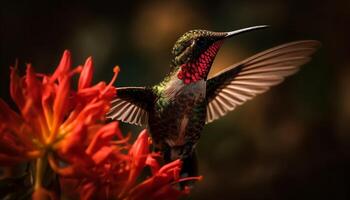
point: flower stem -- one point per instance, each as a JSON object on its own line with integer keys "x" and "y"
{"x": 39, "y": 171}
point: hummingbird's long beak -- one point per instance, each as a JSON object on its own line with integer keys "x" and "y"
{"x": 232, "y": 33}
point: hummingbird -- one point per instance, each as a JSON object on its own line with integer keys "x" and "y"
{"x": 176, "y": 110}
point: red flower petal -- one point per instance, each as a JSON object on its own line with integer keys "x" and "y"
{"x": 152, "y": 162}
{"x": 47, "y": 100}
{"x": 33, "y": 90}
{"x": 138, "y": 153}
{"x": 101, "y": 154}
{"x": 9, "y": 160}
{"x": 63, "y": 67}
{"x": 163, "y": 178}
{"x": 16, "y": 87}
{"x": 9, "y": 118}
{"x": 168, "y": 192}
{"x": 87, "y": 192}
{"x": 86, "y": 75}
{"x": 72, "y": 143}
{"x": 102, "y": 137}
{"x": 41, "y": 194}
{"x": 60, "y": 106}
{"x": 92, "y": 112}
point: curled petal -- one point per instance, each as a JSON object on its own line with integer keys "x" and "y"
{"x": 63, "y": 67}
{"x": 72, "y": 147}
{"x": 170, "y": 167}
{"x": 169, "y": 192}
{"x": 153, "y": 163}
{"x": 34, "y": 87}
{"x": 98, "y": 90}
{"x": 60, "y": 106}
{"x": 102, "y": 154}
{"x": 47, "y": 101}
{"x": 141, "y": 145}
{"x": 13, "y": 140}
{"x": 43, "y": 194}
{"x": 109, "y": 91}
{"x": 32, "y": 110}
{"x": 72, "y": 143}
{"x": 90, "y": 113}
{"x": 63, "y": 171}
{"x": 138, "y": 155}
{"x": 77, "y": 169}
{"x": 86, "y": 75}
{"x": 160, "y": 185}
{"x": 16, "y": 86}
{"x": 102, "y": 137}
{"x": 148, "y": 188}
{"x": 11, "y": 145}
{"x": 87, "y": 191}
{"x": 9, "y": 118}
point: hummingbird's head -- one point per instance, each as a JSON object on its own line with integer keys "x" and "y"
{"x": 194, "y": 52}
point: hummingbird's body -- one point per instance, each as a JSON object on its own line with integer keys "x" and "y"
{"x": 177, "y": 109}
{"x": 178, "y": 116}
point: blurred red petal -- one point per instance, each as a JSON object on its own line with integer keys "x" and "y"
{"x": 175, "y": 165}
{"x": 102, "y": 137}
{"x": 153, "y": 163}
{"x": 149, "y": 187}
{"x": 101, "y": 154}
{"x": 11, "y": 145}
{"x": 92, "y": 112}
{"x": 33, "y": 85}
{"x": 9, "y": 118}
{"x": 43, "y": 194}
{"x": 141, "y": 145}
{"x": 72, "y": 144}
{"x": 87, "y": 191}
{"x": 16, "y": 86}
{"x": 9, "y": 160}
{"x": 60, "y": 106}
{"x": 168, "y": 192}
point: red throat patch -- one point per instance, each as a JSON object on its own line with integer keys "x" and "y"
{"x": 194, "y": 71}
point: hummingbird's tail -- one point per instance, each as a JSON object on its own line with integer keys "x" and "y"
{"x": 190, "y": 165}
{"x": 189, "y": 169}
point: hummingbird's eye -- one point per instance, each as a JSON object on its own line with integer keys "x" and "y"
{"x": 183, "y": 50}
{"x": 181, "y": 47}
{"x": 201, "y": 43}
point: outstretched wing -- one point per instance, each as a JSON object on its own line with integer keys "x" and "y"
{"x": 241, "y": 82}
{"x": 132, "y": 105}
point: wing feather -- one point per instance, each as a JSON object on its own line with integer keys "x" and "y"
{"x": 241, "y": 82}
{"x": 131, "y": 105}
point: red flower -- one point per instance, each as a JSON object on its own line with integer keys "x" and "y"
{"x": 52, "y": 114}
{"x": 50, "y": 109}
{"x": 115, "y": 175}
{"x": 162, "y": 184}
{"x": 66, "y": 129}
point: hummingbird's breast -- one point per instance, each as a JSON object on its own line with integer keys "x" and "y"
{"x": 178, "y": 116}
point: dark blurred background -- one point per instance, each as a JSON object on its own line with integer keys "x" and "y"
{"x": 291, "y": 143}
